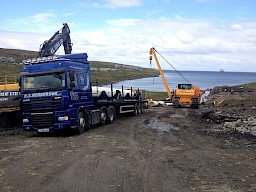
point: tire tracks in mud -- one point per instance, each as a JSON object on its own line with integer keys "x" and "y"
{"x": 128, "y": 155}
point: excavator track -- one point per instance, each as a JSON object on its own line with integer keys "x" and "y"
{"x": 175, "y": 102}
{"x": 194, "y": 103}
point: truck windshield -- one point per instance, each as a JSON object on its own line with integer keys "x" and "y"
{"x": 43, "y": 82}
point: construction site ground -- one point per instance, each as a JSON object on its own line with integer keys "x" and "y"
{"x": 165, "y": 149}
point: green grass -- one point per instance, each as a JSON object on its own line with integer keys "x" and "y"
{"x": 250, "y": 85}
{"x": 99, "y": 64}
{"x": 115, "y": 76}
{"x": 156, "y": 95}
{"x": 244, "y": 102}
{"x": 17, "y": 54}
{"x": 10, "y": 69}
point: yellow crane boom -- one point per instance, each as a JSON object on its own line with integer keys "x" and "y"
{"x": 153, "y": 52}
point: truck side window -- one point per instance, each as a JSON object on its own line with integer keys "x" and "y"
{"x": 74, "y": 75}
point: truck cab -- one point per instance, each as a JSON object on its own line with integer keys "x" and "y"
{"x": 53, "y": 91}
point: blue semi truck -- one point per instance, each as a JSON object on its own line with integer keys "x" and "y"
{"x": 57, "y": 94}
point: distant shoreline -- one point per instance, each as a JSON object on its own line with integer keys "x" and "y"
{"x": 204, "y": 80}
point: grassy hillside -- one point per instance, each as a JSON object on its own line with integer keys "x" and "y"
{"x": 18, "y": 55}
{"x": 250, "y": 85}
{"x": 103, "y": 77}
{"x": 115, "y": 76}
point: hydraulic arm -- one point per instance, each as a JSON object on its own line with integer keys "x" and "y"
{"x": 61, "y": 37}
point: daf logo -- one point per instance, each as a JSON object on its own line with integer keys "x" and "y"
{"x": 74, "y": 95}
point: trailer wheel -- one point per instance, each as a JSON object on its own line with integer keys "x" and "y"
{"x": 142, "y": 108}
{"x": 135, "y": 112}
{"x": 139, "y": 108}
{"x": 103, "y": 115}
{"x": 81, "y": 123}
{"x": 111, "y": 114}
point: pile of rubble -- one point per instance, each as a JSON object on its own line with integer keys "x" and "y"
{"x": 244, "y": 125}
{"x": 231, "y": 110}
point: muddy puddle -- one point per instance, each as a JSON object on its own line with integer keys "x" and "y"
{"x": 160, "y": 126}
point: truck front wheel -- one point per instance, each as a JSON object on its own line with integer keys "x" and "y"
{"x": 81, "y": 123}
{"x": 103, "y": 115}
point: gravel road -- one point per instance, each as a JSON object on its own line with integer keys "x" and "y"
{"x": 164, "y": 149}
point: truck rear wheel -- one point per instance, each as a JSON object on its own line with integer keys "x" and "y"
{"x": 111, "y": 114}
{"x": 135, "y": 112}
{"x": 142, "y": 108}
{"x": 139, "y": 108}
{"x": 81, "y": 123}
{"x": 103, "y": 115}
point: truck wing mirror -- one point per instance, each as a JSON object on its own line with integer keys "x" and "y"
{"x": 72, "y": 76}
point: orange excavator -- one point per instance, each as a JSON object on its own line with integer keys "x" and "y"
{"x": 185, "y": 94}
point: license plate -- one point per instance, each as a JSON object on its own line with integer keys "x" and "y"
{"x": 43, "y": 130}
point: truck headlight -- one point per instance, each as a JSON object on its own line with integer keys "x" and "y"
{"x": 64, "y": 118}
{"x": 25, "y": 120}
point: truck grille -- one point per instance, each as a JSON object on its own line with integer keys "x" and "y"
{"x": 42, "y": 120}
{"x": 42, "y": 105}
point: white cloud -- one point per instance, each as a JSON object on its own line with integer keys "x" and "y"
{"x": 20, "y": 40}
{"x": 184, "y": 36}
{"x": 122, "y": 22}
{"x": 188, "y": 44}
{"x": 236, "y": 27}
{"x": 40, "y": 22}
{"x": 178, "y": 17}
{"x": 116, "y": 4}
{"x": 41, "y": 17}
{"x": 43, "y": 23}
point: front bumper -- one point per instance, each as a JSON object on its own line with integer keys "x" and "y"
{"x": 48, "y": 121}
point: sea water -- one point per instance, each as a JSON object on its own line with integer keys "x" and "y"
{"x": 203, "y": 79}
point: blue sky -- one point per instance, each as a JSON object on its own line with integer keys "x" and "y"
{"x": 203, "y": 35}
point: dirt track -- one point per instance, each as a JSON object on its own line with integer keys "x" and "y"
{"x": 143, "y": 153}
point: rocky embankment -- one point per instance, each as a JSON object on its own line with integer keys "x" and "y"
{"x": 232, "y": 109}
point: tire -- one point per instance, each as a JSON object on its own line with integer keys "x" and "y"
{"x": 142, "y": 108}
{"x": 111, "y": 114}
{"x": 135, "y": 111}
{"x": 139, "y": 108}
{"x": 175, "y": 103}
{"x": 81, "y": 123}
{"x": 103, "y": 115}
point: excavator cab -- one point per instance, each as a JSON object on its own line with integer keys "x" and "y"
{"x": 184, "y": 86}
{"x": 186, "y": 95}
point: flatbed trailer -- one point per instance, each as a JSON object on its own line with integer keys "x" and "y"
{"x": 57, "y": 94}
